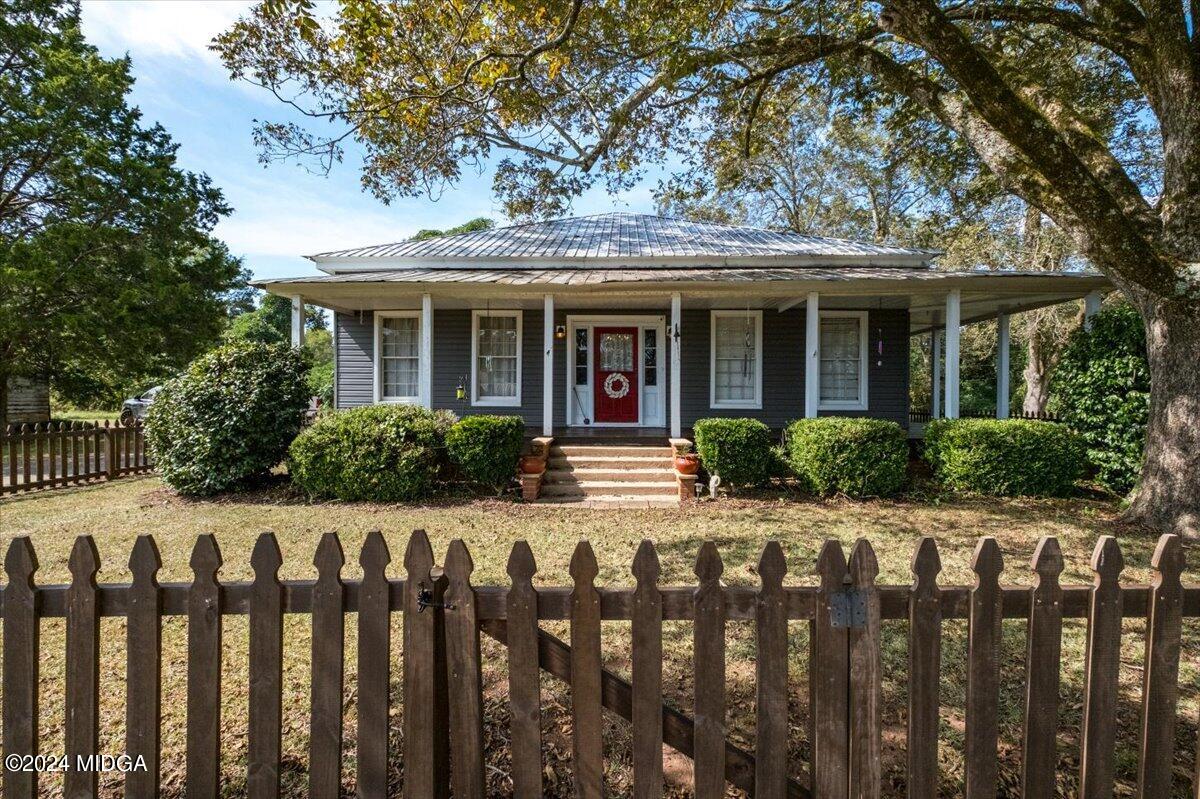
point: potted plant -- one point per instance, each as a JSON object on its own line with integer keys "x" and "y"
{"x": 687, "y": 462}
{"x": 532, "y": 464}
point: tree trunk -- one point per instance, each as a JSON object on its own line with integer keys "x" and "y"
{"x": 3, "y": 404}
{"x": 1037, "y": 374}
{"x": 1168, "y": 496}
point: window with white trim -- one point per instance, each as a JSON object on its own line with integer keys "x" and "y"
{"x": 736, "y": 366}
{"x": 843, "y": 357}
{"x": 496, "y": 358}
{"x": 398, "y": 337}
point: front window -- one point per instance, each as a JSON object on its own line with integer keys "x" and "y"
{"x": 497, "y": 358}
{"x": 736, "y": 367}
{"x": 843, "y": 356}
{"x": 400, "y": 358}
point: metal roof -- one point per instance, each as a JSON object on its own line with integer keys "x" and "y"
{"x": 624, "y": 236}
{"x": 584, "y": 277}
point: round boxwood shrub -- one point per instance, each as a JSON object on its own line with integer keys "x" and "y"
{"x": 229, "y": 417}
{"x": 855, "y": 457}
{"x": 1006, "y": 457}
{"x": 739, "y": 450}
{"x": 1102, "y": 390}
{"x": 486, "y": 448}
{"x": 377, "y": 453}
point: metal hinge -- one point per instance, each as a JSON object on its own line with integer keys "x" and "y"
{"x": 847, "y": 609}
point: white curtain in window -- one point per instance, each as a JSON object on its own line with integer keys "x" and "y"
{"x": 736, "y": 358}
{"x": 496, "y": 357}
{"x": 841, "y": 353}
{"x": 401, "y": 356}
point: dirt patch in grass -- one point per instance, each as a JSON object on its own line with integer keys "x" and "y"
{"x": 116, "y": 513}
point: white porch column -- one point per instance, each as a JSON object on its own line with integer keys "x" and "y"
{"x": 425, "y": 379}
{"x": 548, "y": 365}
{"x": 953, "y": 321}
{"x": 1002, "y": 388}
{"x": 676, "y": 362}
{"x": 936, "y": 380}
{"x": 297, "y": 321}
{"x": 1091, "y": 307}
{"x": 812, "y": 356}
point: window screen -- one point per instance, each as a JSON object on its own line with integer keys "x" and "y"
{"x": 496, "y": 357}
{"x": 736, "y": 358}
{"x": 841, "y": 359}
{"x": 400, "y": 339}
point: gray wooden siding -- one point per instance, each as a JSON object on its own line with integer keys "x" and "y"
{"x": 355, "y": 337}
{"x": 783, "y": 366}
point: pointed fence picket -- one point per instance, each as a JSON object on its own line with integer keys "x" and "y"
{"x": 444, "y": 613}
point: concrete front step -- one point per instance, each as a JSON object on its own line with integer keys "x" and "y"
{"x": 610, "y": 462}
{"x": 622, "y": 475}
{"x": 608, "y": 451}
{"x": 594, "y": 488}
{"x": 610, "y": 502}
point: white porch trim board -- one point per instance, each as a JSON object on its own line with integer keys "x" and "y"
{"x": 1091, "y": 307}
{"x": 953, "y": 323}
{"x": 676, "y": 361}
{"x": 812, "y": 356}
{"x": 936, "y": 357}
{"x": 548, "y": 365}
{"x": 297, "y": 321}
{"x": 425, "y": 363}
{"x": 1002, "y": 366}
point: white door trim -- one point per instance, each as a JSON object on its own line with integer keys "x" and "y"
{"x": 641, "y": 321}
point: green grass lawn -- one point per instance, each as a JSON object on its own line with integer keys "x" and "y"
{"x": 116, "y": 513}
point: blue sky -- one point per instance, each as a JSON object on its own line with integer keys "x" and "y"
{"x": 281, "y": 211}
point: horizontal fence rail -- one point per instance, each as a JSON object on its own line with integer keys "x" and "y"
{"x": 55, "y": 454}
{"x": 444, "y": 615}
{"x": 924, "y": 417}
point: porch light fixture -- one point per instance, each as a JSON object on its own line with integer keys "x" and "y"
{"x": 879, "y": 346}
{"x": 460, "y": 392}
{"x": 560, "y": 331}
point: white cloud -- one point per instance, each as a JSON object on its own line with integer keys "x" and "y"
{"x": 156, "y": 28}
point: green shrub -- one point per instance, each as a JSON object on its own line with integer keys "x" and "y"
{"x": 377, "y": 453}
{"x": 229, "y": 417}
{"x": 856, "y": 457}
{"x": 739, "y": 450}
{"x": 486, "y": 448}
{"x": 1101, "y": 388}
{"x": 1009, "y": 457}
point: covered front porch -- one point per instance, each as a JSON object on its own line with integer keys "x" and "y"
{"x": 639, "y": 354}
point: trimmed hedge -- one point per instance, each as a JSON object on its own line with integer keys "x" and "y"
{"x": 1007, "y": 457}
{"x": 229, "y": 417}
{"x": 855, "y": 457}
{"x": 377, "y": 453}
{"x": 739, "y": 450}
{"x": 486, "y": 448}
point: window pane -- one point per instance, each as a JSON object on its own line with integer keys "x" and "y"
{"x": 400, "y": 351}
{"x": 736, "y": 358}
{"x": 840, "y": 359}
{"x": 400, "y": 336}
{"x": 496, "y": 350}
{"x": 616, "y": 352}
{"x": 581, "y": 356}
{"x": 650, "y": 356}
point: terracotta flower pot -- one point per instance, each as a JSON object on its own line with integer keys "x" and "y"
{"x": 687, "y": 464}
{"x": 531, "y": 464}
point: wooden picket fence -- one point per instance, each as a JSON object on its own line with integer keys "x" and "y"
{"x": 444, "y": 615}
{"x": 54, "y": 454}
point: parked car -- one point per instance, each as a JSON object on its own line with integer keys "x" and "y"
{"x": 135, "y": 407}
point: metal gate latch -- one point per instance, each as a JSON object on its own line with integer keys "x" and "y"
{"x": 425, "y": 600}
{"x": 847, "y": 609}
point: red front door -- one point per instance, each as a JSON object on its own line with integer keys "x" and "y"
{"x": 616, "y": 378}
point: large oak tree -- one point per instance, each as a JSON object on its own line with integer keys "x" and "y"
{"x": 565, "y": 93}
{"x": 108, "y": 273}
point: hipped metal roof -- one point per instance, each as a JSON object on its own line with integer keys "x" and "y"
{"x": 624, "y": 237}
